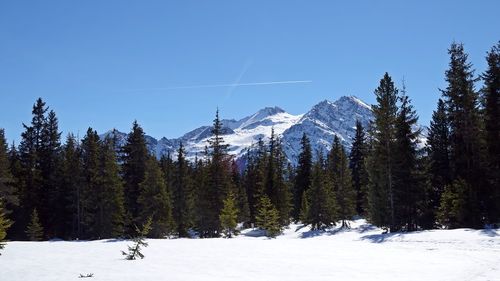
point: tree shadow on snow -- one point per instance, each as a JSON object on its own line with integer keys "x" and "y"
{"x": 381, "y": 238}
{"x": 489, "y": 232}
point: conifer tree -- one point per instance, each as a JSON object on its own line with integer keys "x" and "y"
{"x": 408, "y": 190}
{"x": 70, "y": 200}
{"x": 303, "y": 174}
{"x": 304, "y": 208}
{"x": 438, "y": 148}
{"x": 139, "y": 241}
{"x": 91, "y": 185}
{"x": 321, "y": 208}
{"x": 34, "y": 231}
{"x": 155, "y": 201}
{"x": 5, "y": 223}
{"x": 465, "y": 137}
{"x": 267, "y": 217}
{"x": 453, "y": 211}
{"x": 228, "y": 216}
{"x": 358, "y": 169}
{"x": 491, "y": 99}
{"x": 381, "y": 157}
{"x": 111, "y": 211}
{"x": 8, "y": 187}
{"x": 240, "y": 195}
{"x": 342, "y": 183}
{"x": 182, "y": 195}
{"x": 283, "y": 192}
{"x": 135, "y": 155}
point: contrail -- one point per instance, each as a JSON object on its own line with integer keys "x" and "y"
{"x": 222, "y": 85}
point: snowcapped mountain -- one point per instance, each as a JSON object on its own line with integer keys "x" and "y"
{"x": 321, "y": 124}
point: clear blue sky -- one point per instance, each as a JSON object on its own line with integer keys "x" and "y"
{"x": 90, "y": 59}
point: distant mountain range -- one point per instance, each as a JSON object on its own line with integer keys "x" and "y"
{"x": 325, "y": 120}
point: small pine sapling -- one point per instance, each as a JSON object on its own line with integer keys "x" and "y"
{"x": 229, "y": 216}
{"x": 139, "y": 241}
{"x": 4, "y": 225}
{"x": 34, "y": 230}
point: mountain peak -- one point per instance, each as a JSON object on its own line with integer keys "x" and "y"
{"x": 352, "y": 100}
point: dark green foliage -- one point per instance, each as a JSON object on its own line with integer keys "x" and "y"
{"x": 111, "y": 211}
{"x": 380, "y": 162}
{"x": 466, "y": 158}
{"x": 358, "y": 169}
{"x": 491, "y": 99}
{"x": 70, "y": 197}
{"x": 304, "y": 208}
{"x": 240, "y": 195}
{"x": 8, "y": 185}
{"x": 34, "y": 230}
{"x": 139, "y": 241}
{"x": 267, "y": 217}
{"x": 340, "y": 175}
{"x": 155, "y": 201}
{"x": 453, "y": 211}
{"x": 228, "y": 216}
{"x": 439, "y": 156}
{"x": 134, "y": 157}
{"x": 183, "y": 209}
{"x": 5, "y": 223}
{"x": 303, "y": 175}
{"x": 320, "y": 206}
{"x": 408, "y": 190}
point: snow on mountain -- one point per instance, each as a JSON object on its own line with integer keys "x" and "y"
{"x": 321, "y": 124}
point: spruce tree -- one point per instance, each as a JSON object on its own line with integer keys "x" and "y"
{"x": 453, "y": 211}
{"x": 381, "y": 157}
{"x": 91, "y": 185}
{"x": 321, "y": 208}
{"x": 139, "y": 241}
{"x": 72, "y": 182}
{"x": 303, "y": 175}
{"x": 438, "y": 149}
{"x": 240, "y": 195}
{"x": 491, "y": 100}
{"x": 5, "y": 223}
{"x": 34, "y": 230}
{"x": 358, "y": 169}
{"x": 267, "y": 217}
{"x": 111, "y": 210}
{"x": 228, "y": 216}
{"x": 135, "y": 155}
{"x": 408, "y": 189}
{"x": 182, "y": 195}
{"x": 8, "y": 187}
{"x": 155, "y": 201}
{"x": 463, "y": 114}
{"x": 342, "y": 183}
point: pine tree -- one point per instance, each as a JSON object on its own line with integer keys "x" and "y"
{"x": 34, "y": 231}
{"x": 135, "y": 155}
{"x": 8, "y": 187}
{"x": 240, "y": 195}
{"x": 155, "y": 201}
{"x": 90, "y": 186}
{"x": 5, "y": 223}
{"x": 268, "y": 218}
{"x": 228, "y": 216}
{"x": 304, "y": 208}
{"x": 465, "y": 137}
{"x": 358, "y": 169}
{"x": 491, "y": 99}
{"x": 342, "y": 183}
{"x": 381, "y": 159}
{"x": 453, "y": 211}
{"x": 111, "y": 211}
{"x": 438, "y": 148}
{"x": 139, "y": 241}
{"x": 182, "y": 195}
{"x": 408, "y": 191}
{"x": 303, "y": 175}
{"x": 70, "y": 201}
{"x": 321, "y": 208}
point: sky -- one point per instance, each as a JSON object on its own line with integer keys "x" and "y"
{"x": 105, "y": 64}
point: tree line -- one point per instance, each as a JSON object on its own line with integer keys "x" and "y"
{"x": 95, "y": 189}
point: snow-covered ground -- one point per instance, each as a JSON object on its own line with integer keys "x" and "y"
{"x": 361, "y": 253}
